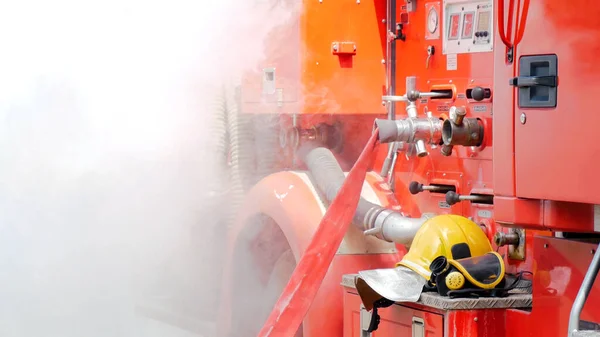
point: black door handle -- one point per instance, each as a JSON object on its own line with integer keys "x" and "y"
{"x": 533, "y": 81}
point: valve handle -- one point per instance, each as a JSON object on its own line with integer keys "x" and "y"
{"x": 404, "y": 98}
{"x": 452, "y": 198}
{"x": 416, "y": 187}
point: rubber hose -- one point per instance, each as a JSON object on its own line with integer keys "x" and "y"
{"x": 329, "y": 178}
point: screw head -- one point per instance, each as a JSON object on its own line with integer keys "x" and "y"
{"x": 523, "y": 118}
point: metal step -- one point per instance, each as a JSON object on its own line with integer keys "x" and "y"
{"x": 586, "y": 333}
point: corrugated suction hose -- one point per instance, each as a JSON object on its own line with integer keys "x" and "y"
{"x": 329, "y": 178}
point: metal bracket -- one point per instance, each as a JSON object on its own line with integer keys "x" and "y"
{"x": 343, "y": 48}
{"x": 517, "y": 252}
{"x": 365, "y": 322}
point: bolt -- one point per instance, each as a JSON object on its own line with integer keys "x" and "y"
{"x": 382, "y": 61}
{"x": 358, "y": 2}
{"x": 475, "y": 319}
{"x": 523, "y": 118}
{"x": 461, "y": 175}
{"x": 450, "y": 81}
{"x": 354, "y": 47}
{"x": 472, "y": 81}
{"x": 545, "y": 245}
{"x": 592, "y": 251}
{"x": 335, "y": 47}
{"x": 383, "y": 21}
{"x": 317, "y": 63}
{"x": 320, "y": 1}
{"x": 444, "y": 174}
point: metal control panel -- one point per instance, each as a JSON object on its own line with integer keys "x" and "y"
{"x": 468, "y": 27}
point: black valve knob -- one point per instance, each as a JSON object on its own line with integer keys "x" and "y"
{"x": 415, "y": 187}
{"x": 478, "y": 94}
{"x": 452, "y": 198}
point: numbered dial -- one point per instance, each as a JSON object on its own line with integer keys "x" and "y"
{"x": 432, "y": 20}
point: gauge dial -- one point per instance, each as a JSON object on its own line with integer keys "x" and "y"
{"x": 432, "y": 20}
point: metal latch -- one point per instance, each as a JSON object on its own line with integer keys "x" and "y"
{"x": 418, "y": 327}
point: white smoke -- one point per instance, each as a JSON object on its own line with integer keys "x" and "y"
{"x": 103, "y": 156}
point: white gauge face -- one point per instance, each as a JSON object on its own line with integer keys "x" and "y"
{"x": 432, "y": 20}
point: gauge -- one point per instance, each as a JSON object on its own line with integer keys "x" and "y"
{"x": 432, "y": 20}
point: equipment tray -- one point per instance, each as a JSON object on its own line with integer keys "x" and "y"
{"x": 519, "y": 297}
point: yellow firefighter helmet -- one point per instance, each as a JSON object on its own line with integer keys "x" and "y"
{"x": 452, "y": 236}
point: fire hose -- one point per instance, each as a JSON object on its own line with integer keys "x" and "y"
{"x": 297, "y": 296}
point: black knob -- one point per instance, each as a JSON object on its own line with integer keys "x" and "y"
{"x": 452, "y": 198}
{"x": 415, "y": 187}
{"x": 478, "y": 93}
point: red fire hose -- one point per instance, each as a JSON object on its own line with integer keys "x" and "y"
{"x": 294, "y": 302}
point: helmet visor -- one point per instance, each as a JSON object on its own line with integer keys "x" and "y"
{"x": 398, "y": 284}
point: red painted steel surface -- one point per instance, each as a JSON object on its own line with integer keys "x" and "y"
{"x": 548, "y": 155}
{"x": 395, "y": 320}
{"x": 560, "y": 266}
{"x": 554, "y": 157}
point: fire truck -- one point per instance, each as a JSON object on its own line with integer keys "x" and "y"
{"x": 483, "y": 178}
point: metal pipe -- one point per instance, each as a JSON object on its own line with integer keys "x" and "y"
{"x": 392, "y": 226}
{"x": 389, "y": 159}
{"x": 584, "y": 291}
{"x": 410, "y": 130}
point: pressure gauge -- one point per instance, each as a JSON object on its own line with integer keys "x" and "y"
{"x": 432, "y": 20}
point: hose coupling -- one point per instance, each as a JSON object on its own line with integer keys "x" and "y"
{"x": 459, "y": 130}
